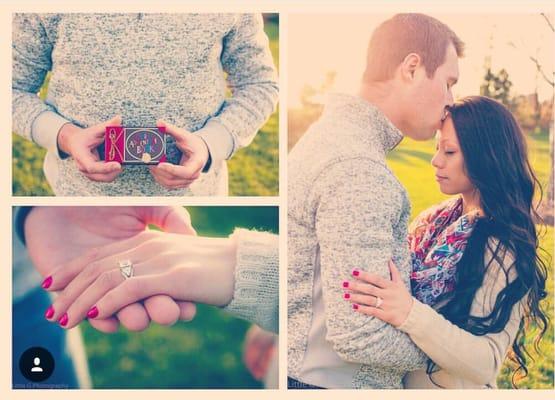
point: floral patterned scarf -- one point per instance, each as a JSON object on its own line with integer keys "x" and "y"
{"x": 437, "y": 239}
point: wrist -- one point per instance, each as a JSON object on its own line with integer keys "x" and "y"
{"x": 65, "y": 134}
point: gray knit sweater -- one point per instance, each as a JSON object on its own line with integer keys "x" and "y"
{"x": 346, "y": 210}
{"x": 144, "y": 67}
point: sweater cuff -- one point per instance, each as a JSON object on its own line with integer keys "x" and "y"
{"x": 256, "y": 292}
{"x": 218, "y": 140}
{"x": 418, "y": 320}
{"x": 44, "y": 131}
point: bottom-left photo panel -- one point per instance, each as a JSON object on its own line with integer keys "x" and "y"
{"x": 140, "y": 297}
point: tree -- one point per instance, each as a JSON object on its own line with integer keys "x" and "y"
{"x": 497, "y": 86}
{"x": 546, "y": 208}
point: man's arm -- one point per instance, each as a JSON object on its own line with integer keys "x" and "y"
{"x": 357, "y": 208}
{"x": 31, "y": 51}
{"x": 247, "y": 59}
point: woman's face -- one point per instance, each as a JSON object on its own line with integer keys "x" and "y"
{"x": 448, "y": 162}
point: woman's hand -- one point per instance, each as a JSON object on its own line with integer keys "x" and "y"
{"x": 388, "y": 300}
{"x": 183, "y": 267}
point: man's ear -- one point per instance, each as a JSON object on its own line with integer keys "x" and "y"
{"x": 409, "y": 66}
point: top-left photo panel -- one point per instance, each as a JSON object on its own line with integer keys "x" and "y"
{"x": 145, "y": 104}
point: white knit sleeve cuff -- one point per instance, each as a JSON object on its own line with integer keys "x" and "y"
{"x": 256, "y": 292}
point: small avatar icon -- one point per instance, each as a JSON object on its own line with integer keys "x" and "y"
{"x": 36, "y": 368}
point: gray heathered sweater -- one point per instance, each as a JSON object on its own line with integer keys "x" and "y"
{"x": 144, "y": 67}
{"x": 346, "y": 210}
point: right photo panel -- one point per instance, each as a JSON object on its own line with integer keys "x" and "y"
{"x": 420, "y": 201}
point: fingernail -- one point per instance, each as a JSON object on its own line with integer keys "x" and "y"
{"x": 47, "y": 283}
{"x": 345, "y": 284}
{"x": 356, "y": 272}
{"x": 346, "y": 295}
{"x": 49, "y": 312}
{"x": 93, "y": 312}
{"x": 63, "y": 320}
{"x": 355, "y": 306}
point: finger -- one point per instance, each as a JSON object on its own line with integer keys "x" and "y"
{"x": 395, "y": 274}
{"x": 108, "y": 325}
{"x": 97, "y": 278}
{"x": 364, "y": 288}
{"x": 371, "y": 278}
{"x": 131, "y": 291}
{"x": 188, "y": 171}
{"x": 162, "y": 309}
{"x": 71, "y": 311}
{"x": 363, "y": 299}
{"x": 172, "y": 130}
{"x": 91, "y": 166}
{"x": 169, "y": 182}
{"x": 109, "y": 177}
{"x": 370, "y": 311}
{"x": 100, "y": 129}
{"x": 162, "y": 172}
{"x": 171, "y": 185}
{"x": 134, "y": 317}
{"x": 169, "y": 219}
{"x": 187, "y": 310}
{"x": 63, "y": 275}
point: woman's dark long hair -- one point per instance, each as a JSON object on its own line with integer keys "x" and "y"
{"x": 496, "y": 162}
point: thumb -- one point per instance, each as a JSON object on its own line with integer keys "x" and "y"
{"x": 170, "y": 219}
{"x": 100, "y": 129}
{"x": 395, "y": 274}
{"x": 172, "y": 130}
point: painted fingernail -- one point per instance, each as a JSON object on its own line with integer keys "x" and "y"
{"x": 63, "y": 320}
{"x": 93, "y": 312}
{"x": 355, "y": 306}
{"x": 346, "y": 295}
{"x": 47, "y": 283}
{"x": 345, "y": 284}
{"x": 49, "y": 312}
{"x": 356, "y": 272}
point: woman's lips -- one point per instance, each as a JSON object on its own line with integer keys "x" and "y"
{"x": 440, "y": 178}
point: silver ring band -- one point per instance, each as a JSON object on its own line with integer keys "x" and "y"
{"x": 379, "y": 302}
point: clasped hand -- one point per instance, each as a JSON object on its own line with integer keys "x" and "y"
{"x": 185, "y": 268}
{"x": 82, "y": 145}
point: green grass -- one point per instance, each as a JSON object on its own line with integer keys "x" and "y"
{"x": 253, "y": 171}
{"x": 411, "y": 163}
{"x": 204, "y": 353}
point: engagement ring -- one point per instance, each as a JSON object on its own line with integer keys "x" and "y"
{"x": 126, "y": 268}
{"x": 379, "y": 302}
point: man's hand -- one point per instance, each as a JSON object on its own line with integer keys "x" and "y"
{"x": 82, "y": 145}
{"x": 194, "y": 158}
{"x": 55, "y": 235}
{"x": 260, "y": 346}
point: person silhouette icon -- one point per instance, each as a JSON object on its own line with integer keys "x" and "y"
{"x": 36, "y": 368}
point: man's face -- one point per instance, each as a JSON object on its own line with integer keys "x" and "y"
{"x": 429, "y": 97}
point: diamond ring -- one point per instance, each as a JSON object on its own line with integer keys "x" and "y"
{"x": 379, "y": 302}
{"x": 126, "y": 268}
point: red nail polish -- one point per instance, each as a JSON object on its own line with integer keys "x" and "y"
{"x": 93, "y": 312}
{"x": 346, "y": 295}
{"x": 356, "y": 272}
{"x": 63, "y": 320}
{"x": 345, "y": 284}
{"x": 49, "y": 312}
{"x": 47, "y": 283}
{"x": 355, "y": 306}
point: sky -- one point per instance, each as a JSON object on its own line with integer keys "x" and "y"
{"x": 321, "y": 43}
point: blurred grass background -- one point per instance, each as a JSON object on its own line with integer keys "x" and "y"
{"x": 204, "y": 353}
{"x": 253, "y": 171}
